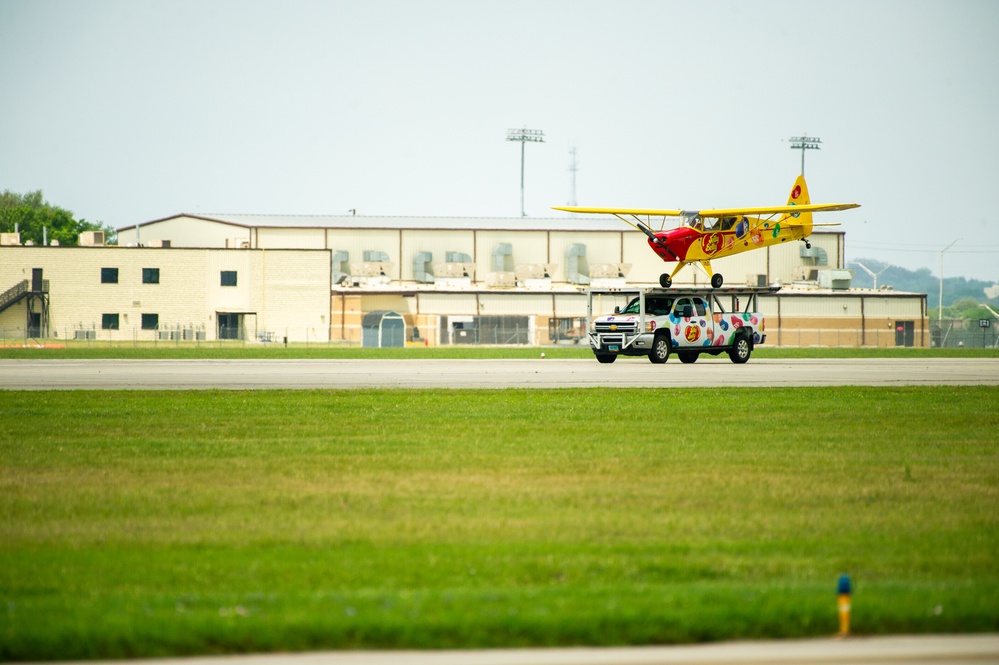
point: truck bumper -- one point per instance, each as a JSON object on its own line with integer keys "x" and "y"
{"x": 604, "y": 343}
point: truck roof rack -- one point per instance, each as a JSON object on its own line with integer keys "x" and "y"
{"x": 692, "y": 290}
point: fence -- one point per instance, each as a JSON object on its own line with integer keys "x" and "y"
{"x": 959, "y": 333}
{"x": 496, "y": 331}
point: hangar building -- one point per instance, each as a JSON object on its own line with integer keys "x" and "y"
{"x": 444, "y": 280}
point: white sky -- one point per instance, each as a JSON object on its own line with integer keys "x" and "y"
{"x": 126, "y": 111}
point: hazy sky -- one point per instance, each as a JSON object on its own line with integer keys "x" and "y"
{"x": 126, "y": 111}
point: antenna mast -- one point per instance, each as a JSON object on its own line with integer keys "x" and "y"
{"x": 573, "y": 168}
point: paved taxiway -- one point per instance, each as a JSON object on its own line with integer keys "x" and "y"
{"x": 923, "y": 649}
{"x": 539, "y": 373}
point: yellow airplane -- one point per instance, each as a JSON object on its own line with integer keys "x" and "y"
{"x": 703, "y": 235}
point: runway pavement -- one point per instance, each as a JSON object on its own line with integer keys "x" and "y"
{"x": 539, "y": 373}
{"x": 923, "y": 649}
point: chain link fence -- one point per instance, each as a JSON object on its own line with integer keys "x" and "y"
{"x": 485, "y": 331}
{"x": 961, "y": 333}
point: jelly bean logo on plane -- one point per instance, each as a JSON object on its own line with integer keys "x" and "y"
{"x": 711, "y": 243}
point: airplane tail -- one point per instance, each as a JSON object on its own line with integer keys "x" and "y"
{"x": 799, "y": 196}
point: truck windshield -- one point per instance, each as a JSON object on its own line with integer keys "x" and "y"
{"x": 632, "y": 307}
{"x": 654, "y": 306}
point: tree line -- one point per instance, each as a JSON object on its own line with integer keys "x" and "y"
{"x": 35, "y": 218}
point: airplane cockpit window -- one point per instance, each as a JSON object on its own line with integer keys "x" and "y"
{"x": 693, "y": 220}
{"x": 710, "y": 223}
{"x": 728, "y": 222}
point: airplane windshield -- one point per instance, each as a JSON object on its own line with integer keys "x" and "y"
{"x": 693, "y": 220}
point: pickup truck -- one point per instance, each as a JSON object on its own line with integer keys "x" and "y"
{"x": 687, "y": 321}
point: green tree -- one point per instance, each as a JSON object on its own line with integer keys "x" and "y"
{"x": 968, "y": 309}
{"x": 30, "y": 213}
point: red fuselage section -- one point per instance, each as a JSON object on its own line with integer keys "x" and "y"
{"x": 672, "y": 245}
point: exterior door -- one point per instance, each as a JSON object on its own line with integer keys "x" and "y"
{"x": 905, "y": 333}
{"x": 230, "y": 326}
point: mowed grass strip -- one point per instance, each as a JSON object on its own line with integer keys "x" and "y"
{"x": 168, "y": 523}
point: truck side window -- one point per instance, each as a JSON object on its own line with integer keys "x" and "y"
{"x": 683, "y": 308}
{"x": 699, "y": 306}
{"x": 658, "y": 306}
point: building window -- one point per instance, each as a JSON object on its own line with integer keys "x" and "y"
{"x": 109, "y": 322}
{"x": 109, "y": 275}
{"x": 150, "y": 275}
{"x": 228, "y": 278}
{"x": 150, "y": 321}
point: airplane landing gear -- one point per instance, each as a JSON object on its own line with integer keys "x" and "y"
{"x": 665, "y": 281}
{"x": 808, "y": 245}
{"x": 717, "y": 280}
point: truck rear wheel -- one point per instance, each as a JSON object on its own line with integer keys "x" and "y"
{"x": 741, "y": 350}
{"x": 606, "y": 357}
{"x": 660, "y": 349}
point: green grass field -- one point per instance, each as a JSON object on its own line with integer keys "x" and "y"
{"x": 167, "y": 523}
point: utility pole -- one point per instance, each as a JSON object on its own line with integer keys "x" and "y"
{"x": 804, "y": 143}
{"x": 524, "y": 136}
{"x": 940, "y": 311}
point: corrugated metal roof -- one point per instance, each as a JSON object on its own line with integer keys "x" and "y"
{"x": 588, "y": 223}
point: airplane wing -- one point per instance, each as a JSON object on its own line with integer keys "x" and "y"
{"x": 775, "y": 210}
{"x": 620, "y": 211}
{"x": 729, "y": 212}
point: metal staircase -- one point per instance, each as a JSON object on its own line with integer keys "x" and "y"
{"x": 33, "y": 290}
{"x": 15, "y": 294}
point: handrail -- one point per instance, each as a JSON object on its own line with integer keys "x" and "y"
{"x": 18, "y": 291}
{"x": 13, "y": 294}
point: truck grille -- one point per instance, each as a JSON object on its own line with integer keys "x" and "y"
{"x": 624, "y": 327}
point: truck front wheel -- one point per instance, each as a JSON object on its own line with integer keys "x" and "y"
{"x": 660, "y": 349}
{"x": 606, "y": 357}
{"x": 687, "y": 357}
{"x": 741, "y": 350}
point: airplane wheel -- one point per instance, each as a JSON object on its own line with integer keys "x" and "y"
{"x": 665, "y": 281}
{"x": 660, "y": 350}
{"x": 716, "y": 281}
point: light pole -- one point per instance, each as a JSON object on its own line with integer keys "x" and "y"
{"x": 804, "y": 143}
{"x": 940, "y": 310}
{"x": 524, "y": 136}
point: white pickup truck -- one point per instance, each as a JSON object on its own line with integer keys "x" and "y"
{"x": 687, "y": 321}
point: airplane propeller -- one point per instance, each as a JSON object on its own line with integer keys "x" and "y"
{"x": 647, "y": 231}
{"x": 656, "y": 239}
